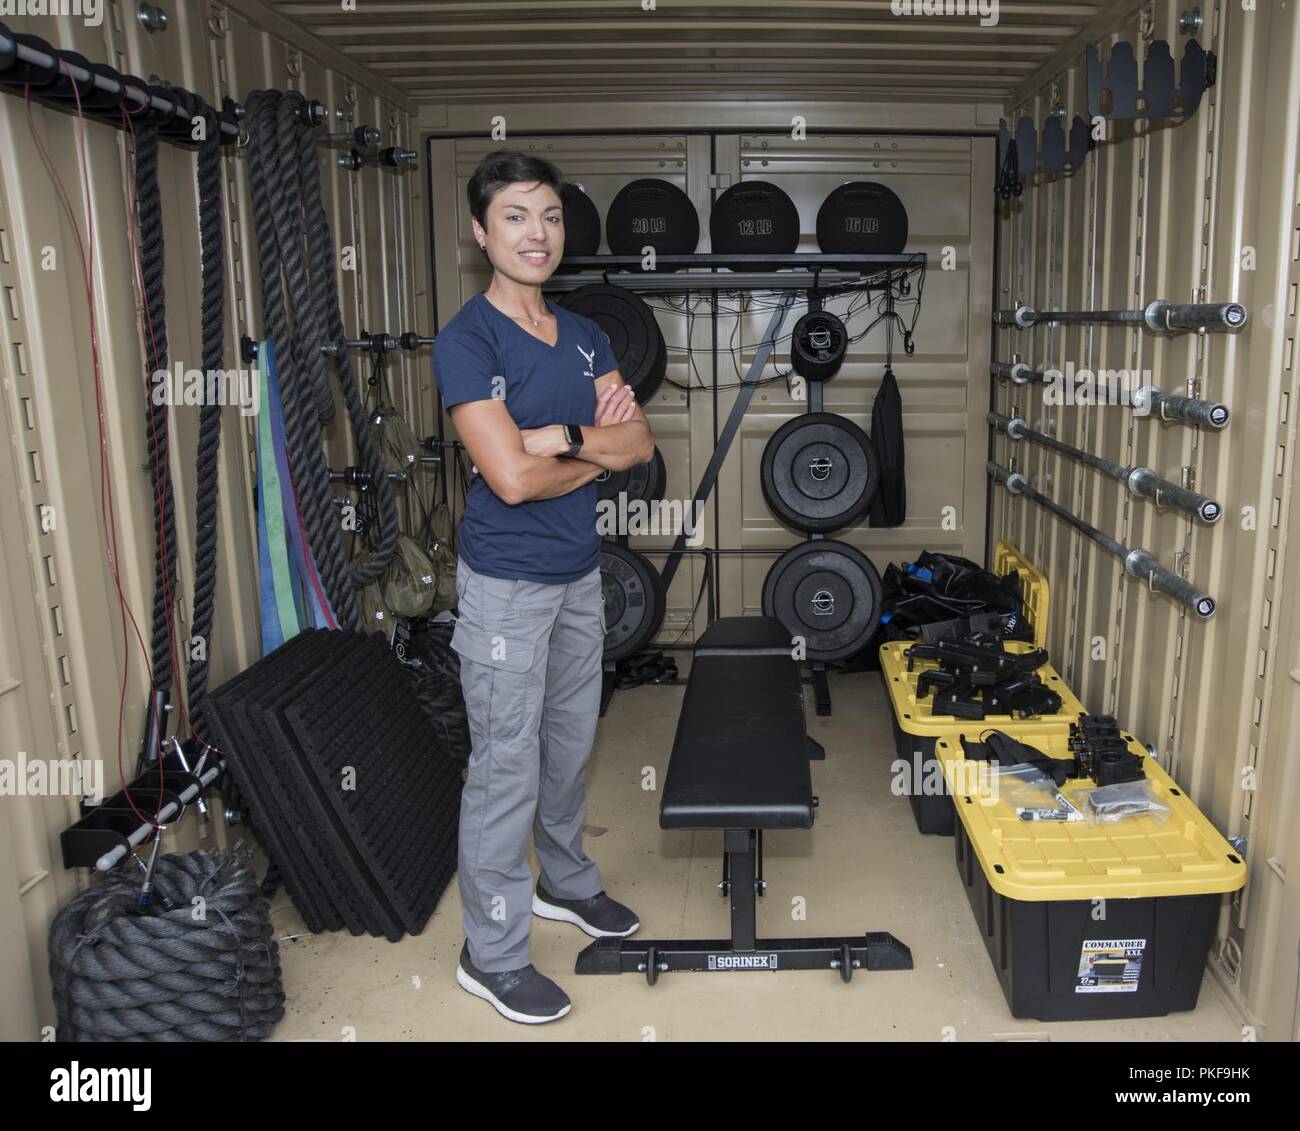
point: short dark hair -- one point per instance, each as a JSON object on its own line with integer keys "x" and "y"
{"x": 507, "y": 167}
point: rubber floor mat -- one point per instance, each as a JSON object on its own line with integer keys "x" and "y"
{"x": 346, "y": 781}
{"x": 364, "y": 726}
{"x": 253, "y": 775}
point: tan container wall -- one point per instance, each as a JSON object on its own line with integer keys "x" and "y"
{"x": 63, "y": 652}
{"x": 1177, "y": 211}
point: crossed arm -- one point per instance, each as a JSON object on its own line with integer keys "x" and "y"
{"x": 521, "y": 465}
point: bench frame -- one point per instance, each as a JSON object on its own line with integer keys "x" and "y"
{"x": 742, "y": 871}
{"x": 742, "y": 865}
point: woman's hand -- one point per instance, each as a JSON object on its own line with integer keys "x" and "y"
{"x": 615, "y": 405}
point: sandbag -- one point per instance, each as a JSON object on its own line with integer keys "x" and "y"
{"x": 410, "y": 583}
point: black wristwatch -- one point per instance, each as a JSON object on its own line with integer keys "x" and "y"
{"x": 573, "y": 436}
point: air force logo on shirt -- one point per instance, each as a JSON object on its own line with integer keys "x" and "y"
{"x": 589, "y": 358}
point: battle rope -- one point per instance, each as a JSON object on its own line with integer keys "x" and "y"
{"x": 199, "y": 964}
{"x": 149, "y": 210}
{"x": 307, "y": 465}
{"x": 325, "y": 295}
{"x": 212, "y": 242}
{"x": 296, "y": 258}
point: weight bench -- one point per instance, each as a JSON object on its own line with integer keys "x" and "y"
{"x": 740, "y": 764}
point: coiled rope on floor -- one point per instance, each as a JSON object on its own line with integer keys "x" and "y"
{"x": 199, "y": 964}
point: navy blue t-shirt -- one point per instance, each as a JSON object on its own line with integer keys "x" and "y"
{"x": 483, "y": 354}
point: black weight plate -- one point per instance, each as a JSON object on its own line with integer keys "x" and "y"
{"x": 862, "y": 218}
{"x": 633, "y": 333}
{"x": 644, "y": 482}
{"x": 827, "y": 593}
{"x": 818, "y": 344}
{"x": 581, "y": 222}
{"x": 652, "y": 213}
{"x": 753, "y": 217}
{"x": 634, "y": 600}
{"x": 819, "y": 472}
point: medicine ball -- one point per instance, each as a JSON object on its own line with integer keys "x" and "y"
{"x": 581, "y": 222}
{"x": 753, "y": 217}
{"x": 862, "y": 218}
{"x": 652, "y": 213}
{"x": 818, "y": 345}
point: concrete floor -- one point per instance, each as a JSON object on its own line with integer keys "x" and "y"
{"x": 863, "y": 867}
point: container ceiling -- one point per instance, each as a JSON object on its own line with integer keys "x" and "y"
{"x": 480, "y": 50}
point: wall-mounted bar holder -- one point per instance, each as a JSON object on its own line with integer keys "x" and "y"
{"x": 1137, "y": 563}
{"x": 379, "y": 343}
{"x": 360, "y": 477}
{"x": 1169, "y": 406}
{"x": 1159, "y": 316}
{"x": 364, "y": 137}
{"x": 106, "y": 833}
{"x": 394, "y": 157}
{"x": 1142, "y": 482}
{"x": 62, "y": 79}
{"x": 1019, "y": 156}
{"x": 1114, "y": 94}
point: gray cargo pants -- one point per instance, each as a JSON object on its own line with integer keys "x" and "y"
{"x": 530, "y": 666}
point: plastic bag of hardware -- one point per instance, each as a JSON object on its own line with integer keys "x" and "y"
{"x": 1024, "y": 785}
{"x": 1113, "y": 803}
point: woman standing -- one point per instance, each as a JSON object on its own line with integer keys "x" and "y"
{"x": 536, "y": 397}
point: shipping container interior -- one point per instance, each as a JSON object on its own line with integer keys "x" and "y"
{"x": 1102, "y": 203}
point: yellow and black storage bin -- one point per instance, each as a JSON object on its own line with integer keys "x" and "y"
{"x": 1035, "y": 596}
{"x": 916, "y": 773}
{"x": 1091, "y": 921}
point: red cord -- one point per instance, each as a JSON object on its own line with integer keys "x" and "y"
{"x": 107, "y": 508}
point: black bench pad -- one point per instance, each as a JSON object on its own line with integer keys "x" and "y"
{"x": 740, "y": 758}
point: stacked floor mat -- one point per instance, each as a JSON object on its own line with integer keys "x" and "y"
{"x": 345, "y": 779}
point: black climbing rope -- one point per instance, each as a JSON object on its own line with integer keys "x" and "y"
{"x": 301, "y": 315}
{"x": 151, "y": 252}
{"x": 307, "y": 467}
{"x": 212, "y": 242}
{"x": 325, "y": 297}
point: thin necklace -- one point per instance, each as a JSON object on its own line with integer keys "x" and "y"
{"x": 522, "y": 318}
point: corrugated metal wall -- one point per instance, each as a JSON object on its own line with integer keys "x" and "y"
{"x": 944, "y": 384}
{"x": 61, "y": 641}
{"x": 1178, "y": 211}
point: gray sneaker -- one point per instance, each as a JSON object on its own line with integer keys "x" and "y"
{"x": 521, "y": 995}
{"x": 600, "y": 916}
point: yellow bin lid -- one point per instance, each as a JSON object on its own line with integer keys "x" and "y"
{"x": 915, "y": 717}
{"x": 1136, "y": 858}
